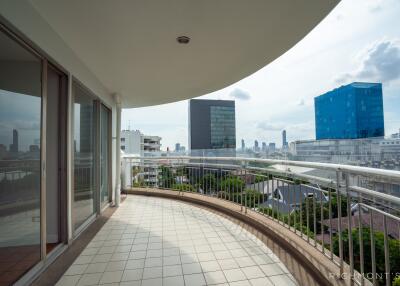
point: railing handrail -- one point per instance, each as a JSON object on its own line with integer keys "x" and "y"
{"x": 366, "y": 171}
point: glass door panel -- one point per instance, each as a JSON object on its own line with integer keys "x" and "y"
{"x": 84, "y": 155}
{"x": 20, "y": 141}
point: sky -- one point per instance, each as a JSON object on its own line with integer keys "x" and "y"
{"x": 358, "y": 41}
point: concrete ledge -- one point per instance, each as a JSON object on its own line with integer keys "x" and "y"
{"x": 306, "y": 263}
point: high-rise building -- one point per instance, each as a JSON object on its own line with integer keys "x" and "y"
{"x": 264, "y": 146}
{"x": 284, "y": 141}
{"x": 243, "y": 145}
{"x": 177, "y": 147}
{"x": 271, "y": 147}
{"x": 14, "y": 145}
{"x": 256, "y": 148}
{"x": 212, "y": 124}
{"x": 350, "y": 112}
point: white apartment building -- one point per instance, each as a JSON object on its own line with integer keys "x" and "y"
{"x": 135, "y": 142}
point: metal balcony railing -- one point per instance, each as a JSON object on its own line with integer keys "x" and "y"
{"x": 350, "y": 214}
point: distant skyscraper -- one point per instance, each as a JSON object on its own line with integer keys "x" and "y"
{"x": 212, "y": 124}
{"x": 271, "y": 147}
{"x": 14, "y": 145}
{"x": 264, "y": 146}
{"x": 243, "y": 145}
{"x": 256, "y": 148}
{"x": 177, "y": 147}
{"x": 350, "y": 112}
{"x": 284, "y": 142}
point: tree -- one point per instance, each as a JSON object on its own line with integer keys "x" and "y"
{"x": 394, "y": 251}
{"x": 343, "y": 203}
{"x": 309, "y": 204}
{"x": 232, "y": 184}
{"x": 183, "y": 187}
{"x": 208, "y": 182}
{"x": 167, "y": 178}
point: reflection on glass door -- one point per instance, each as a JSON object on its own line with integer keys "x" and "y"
{"x": 84, "y": 155}
{"x": 20, "y": 137}
{"x": 104, "y": 154}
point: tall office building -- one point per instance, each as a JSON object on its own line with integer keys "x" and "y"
{"x": 14, "y": 145}
{"x": 243, "y": 145}
{"x": 271, "y": 147}
{"x": 264, "y": 146}
{"x": 256, "y": 148}
{"x": 212, "y": 124}
{"x": 350, "y": 112}
{"x": 284, "y": 141}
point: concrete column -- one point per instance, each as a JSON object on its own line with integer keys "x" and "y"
{"x": 118, "y": 153}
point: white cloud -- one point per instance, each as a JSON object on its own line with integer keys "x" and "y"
{"x": 238, "y": 93}
{"x": 380, "y": 62}
{"x": 263, "y": 125}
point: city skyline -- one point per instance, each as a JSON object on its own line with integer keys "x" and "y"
{"x": 343, "y": 48}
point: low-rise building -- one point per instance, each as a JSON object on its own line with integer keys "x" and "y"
{"x": 134, "y": 143}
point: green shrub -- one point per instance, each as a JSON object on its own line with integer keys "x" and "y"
{"x": 183, "y": 188}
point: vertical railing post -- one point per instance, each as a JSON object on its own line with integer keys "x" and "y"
{"x": 301, "y": 209}
{"x": 361, "y": 240}
{"x": 322, "y": 220}
{"x": 373, "y": 255}
{"x": 339, "y": 210}
{"x": 387, "y": 257}
{"x": 241, "y": 191}
{"x": 314, "y": 217}
{"x": 350, "y": 232}
{"x": 330, "y": 222}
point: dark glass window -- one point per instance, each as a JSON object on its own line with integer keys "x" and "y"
{"x": 222, "y": 120}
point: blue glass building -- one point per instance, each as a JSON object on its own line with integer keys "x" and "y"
{"x": 350, "y": 112}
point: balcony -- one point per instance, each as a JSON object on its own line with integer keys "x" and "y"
{"x": 62, "y": 90}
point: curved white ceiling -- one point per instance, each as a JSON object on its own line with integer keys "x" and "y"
{"x": 131, "y": 46}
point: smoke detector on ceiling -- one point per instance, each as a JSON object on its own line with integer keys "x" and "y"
{"x": 183, "y": 39}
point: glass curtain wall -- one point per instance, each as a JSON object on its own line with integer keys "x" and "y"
{"x": 84, "y": 155}
{"x": 20, "y": 141}
{"x": 104, "y": 154}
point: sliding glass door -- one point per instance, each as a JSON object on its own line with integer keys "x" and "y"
{"x": 84, "y": 155}
{"x": 20, "y": 149}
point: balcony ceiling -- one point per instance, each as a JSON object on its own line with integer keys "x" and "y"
{"x": 131, "y": 47}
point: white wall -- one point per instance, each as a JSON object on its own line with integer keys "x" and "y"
{"x": 133, "y": 141}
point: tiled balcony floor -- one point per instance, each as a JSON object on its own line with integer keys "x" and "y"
{"x": 154, "y": 241}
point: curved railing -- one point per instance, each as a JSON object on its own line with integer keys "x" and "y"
{"x": 349, "y": 214}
